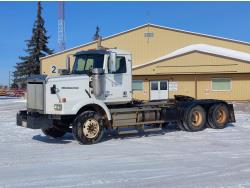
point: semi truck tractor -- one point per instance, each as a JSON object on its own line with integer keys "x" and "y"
{"x": 96, "y": 96}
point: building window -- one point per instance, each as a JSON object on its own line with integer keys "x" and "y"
{"x": 154, "y": 85}
{"x": 149, "y": 34}
{"x": 137, "y": 85}
{"x": 221, "y": 84}
{"x": 163, "y": 85}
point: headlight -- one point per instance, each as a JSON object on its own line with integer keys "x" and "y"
{"x": 58, "y": 107}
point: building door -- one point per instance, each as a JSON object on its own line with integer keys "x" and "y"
{"x": 158, "y": 89}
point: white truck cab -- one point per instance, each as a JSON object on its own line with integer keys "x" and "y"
{"x": 65, "y": 95}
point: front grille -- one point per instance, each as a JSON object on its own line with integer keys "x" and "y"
{"x": 35, "y": 96}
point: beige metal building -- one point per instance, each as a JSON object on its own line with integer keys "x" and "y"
{"x": 169, "y": 61}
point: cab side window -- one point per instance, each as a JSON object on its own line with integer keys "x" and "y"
{"x": 120, "y": 66}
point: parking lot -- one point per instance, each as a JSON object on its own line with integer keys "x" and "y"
{"x": 173, "y": 158}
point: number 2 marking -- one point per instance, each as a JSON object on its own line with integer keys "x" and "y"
{"x": 53, "y": 69}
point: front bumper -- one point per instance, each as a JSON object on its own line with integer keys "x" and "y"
{"x": 33, "y": 120}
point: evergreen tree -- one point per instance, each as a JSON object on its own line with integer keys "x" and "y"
{"x": 96, "y": 35}
{"x": 36, "y": 48}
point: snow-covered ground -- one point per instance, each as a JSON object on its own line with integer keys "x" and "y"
{"x": 211, "y": 158}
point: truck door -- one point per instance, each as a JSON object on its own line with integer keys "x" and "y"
{"x": 117, "y": 88}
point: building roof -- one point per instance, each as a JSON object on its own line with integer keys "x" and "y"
{"x": 205, "y": 48}
{"x": 152, "y": 25}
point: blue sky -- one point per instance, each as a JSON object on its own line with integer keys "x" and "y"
{"x": 225, "y": 19}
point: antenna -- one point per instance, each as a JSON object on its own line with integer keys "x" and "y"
{"x": 99, "y": 43}
{"x": 61, "y": 27}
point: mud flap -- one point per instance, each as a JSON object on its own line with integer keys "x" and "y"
{"x": 231, "y": 113}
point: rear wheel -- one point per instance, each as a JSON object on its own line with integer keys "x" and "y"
{"x": 195, "y": 119}
{"x": 181, "y": 126}
{"x": 218, "y": 116}
{"x": 88, "y": 128}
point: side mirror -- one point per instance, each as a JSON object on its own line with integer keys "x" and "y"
{"x": 112, "y": 62}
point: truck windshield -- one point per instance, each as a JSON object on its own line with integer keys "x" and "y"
{"x": 85, "y": 63}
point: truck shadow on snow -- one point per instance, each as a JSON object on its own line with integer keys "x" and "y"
{"x": 113, "y": 134}
{"x": 66, "y": 139}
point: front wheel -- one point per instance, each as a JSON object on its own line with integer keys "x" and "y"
{"x": 88, "y": 128}
{"x": 53, "y": 132}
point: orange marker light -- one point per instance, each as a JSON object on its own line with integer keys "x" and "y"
{"x": 63, "y": 100}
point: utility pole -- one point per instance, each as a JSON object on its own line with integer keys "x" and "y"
{"x": 61, "y": 27}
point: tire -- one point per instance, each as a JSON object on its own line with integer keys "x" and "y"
{"x": 218, "y": 116}
{"x": 207, "y": 124}
{"x": 195, "y": 119}
{"x": 186, "y": 127}
{"x": 181, "y": 126}
{"x": 88, "y": 128}
{"x": 53, "y": 132}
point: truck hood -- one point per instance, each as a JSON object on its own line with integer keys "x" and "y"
{"x": 45, "y": 78}
{"x": 66, "y": 78}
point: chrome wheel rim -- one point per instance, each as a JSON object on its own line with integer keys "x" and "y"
{"x": 91, "y": 128}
